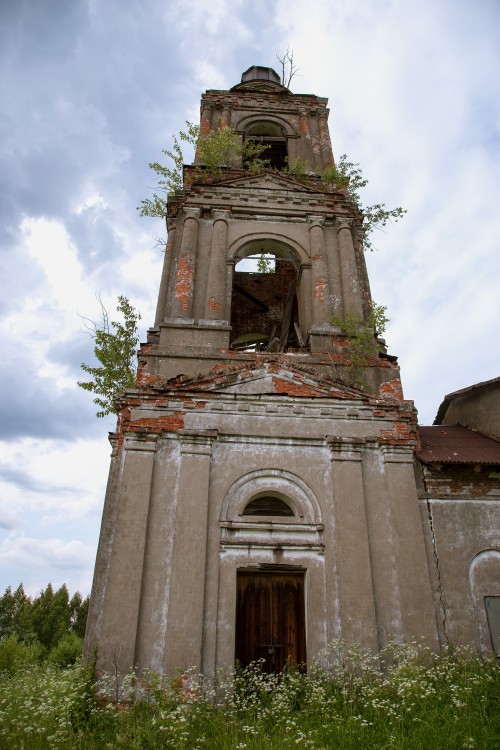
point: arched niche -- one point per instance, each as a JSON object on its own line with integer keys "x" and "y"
{"x": 268, "y": 310}
{"x": 484, "y": 579}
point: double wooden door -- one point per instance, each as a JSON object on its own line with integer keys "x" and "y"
{"x": 270, "y": 619}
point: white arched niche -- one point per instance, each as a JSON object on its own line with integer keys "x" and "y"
{"x": 301, "y": 528}
{"x": 484, "y": 579}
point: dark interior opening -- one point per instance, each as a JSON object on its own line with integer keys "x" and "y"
{"x": 272, "y": 136}
{"x": 267, "y": 506}
{"x": 264, "y": 309}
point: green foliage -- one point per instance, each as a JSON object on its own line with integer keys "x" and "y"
{"x": 215, "y": 150}
{"x": 265, "y": 264}
{"x": 50, "y": 625}
{"x": 418, "y": 700}
{"x": 360, "y": 339}
{"x": 67, "y": 651}
{"x": 15, "y": 655}
{"x": 13, "y": 607}
{"x": 299, "y": 167}
{"x": 115, "y": 347}
{"x": 360, "y": 334}
{"x": 347, "y": 175}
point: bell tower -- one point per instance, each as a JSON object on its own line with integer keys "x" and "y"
{"x": 260, "y": 503}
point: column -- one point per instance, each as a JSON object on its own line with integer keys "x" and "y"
{"x": 215, "y": 297}
{"x": 357, "y": 606}
{"x": 187, "y": 588}
{"x": 225, "y": 118}
{"x": 321, "y": 308}
{"x": 165, "y": 276}
{"x": 182, "y": 304}
{"x": 205, "y": 123}
{"x": 351, "y": 292}
{"x": 324, "y": 139}
{"x": 230, "y": 266}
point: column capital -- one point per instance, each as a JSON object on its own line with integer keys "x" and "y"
{"x": 190, "y": 212}
{"x": 315, "y": 221}
{"x": 344, "y": 222}
{"x": 345, "y": 449}
{"x": 220, "y": 214}
{"x": 197, "y": 442}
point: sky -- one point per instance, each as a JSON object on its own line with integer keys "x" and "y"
{"x": 92, "y": 91}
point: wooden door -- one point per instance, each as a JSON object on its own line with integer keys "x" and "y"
{"x": 270, "y": 621}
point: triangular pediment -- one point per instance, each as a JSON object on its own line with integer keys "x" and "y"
{"x": 267, "y": 180}
{"x": 268, "y": 378}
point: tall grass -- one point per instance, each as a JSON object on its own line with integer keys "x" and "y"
{"x": 406, "y": 698}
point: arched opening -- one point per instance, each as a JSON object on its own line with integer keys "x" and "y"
{"x": 271, "y": 135}
{"x": 265, "y": 310}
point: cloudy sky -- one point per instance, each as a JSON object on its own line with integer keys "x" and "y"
{"x": 92, "y": 90}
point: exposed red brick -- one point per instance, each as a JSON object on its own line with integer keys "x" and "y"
{"x": 213, "y": 305}
{"x": 392, "y": 388}
{"x": 145, "y": 378}
{"x": 460, "y": 481}
{"x": 296, "y": 389}
{"x": 319, "y": 289}
{"x": 185, "y": 280}
{"x": 169, "y": 423}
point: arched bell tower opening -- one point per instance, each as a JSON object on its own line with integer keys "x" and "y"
{"x": 272, "y": 136}
{"x": 265, "y": 309}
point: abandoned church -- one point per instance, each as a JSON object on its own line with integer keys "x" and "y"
{"x": 267, "y": 497}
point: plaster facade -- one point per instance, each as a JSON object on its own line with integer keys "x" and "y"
{"x": 214, "y": 425}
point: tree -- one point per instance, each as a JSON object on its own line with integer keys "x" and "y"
{"x": 215, "y": 150}
{"x": 288, "y": 68}
{"x": 115, "y": 348}
{"x": 347, "y": 175}
{"x": 12, "y": 611}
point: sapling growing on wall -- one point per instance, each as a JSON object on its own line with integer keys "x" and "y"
{"x": 215, "y": 150}
{"x": 115, "y": 347}
{"x": 347, "y": 175}
{"x": 360, "y": 338}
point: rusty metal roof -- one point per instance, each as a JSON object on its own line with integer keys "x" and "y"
{"x": 455, "y": 444}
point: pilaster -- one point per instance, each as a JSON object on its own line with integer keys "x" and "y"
{"x": 161, "y": 307}
{"x": 182, "y": 304}
{"x": 187, "y": 590}
{"x": 351, "y": 292}
{"x": 356, "y": 596}
{"x": 216, "y": 283}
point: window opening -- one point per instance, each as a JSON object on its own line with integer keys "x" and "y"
{"x": 267, "y": 506}
{"x": 271, "y": 135}
{"x": 492, "y": 604}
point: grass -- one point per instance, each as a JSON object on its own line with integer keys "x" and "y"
{"x": 407, "y": 699}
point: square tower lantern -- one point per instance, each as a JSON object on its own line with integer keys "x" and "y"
{"x": 261, "y": 501}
